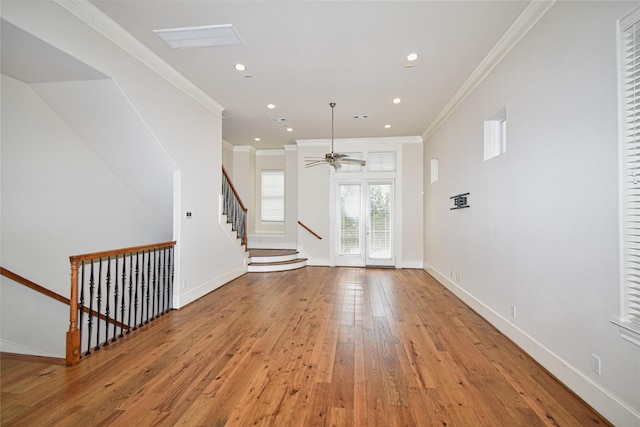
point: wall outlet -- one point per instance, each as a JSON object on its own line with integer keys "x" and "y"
{"x": 514, "y": 313}
{"x": 596, "y": 364}
{"x": 184, "y": 284}
{"x": 458, "y": 277}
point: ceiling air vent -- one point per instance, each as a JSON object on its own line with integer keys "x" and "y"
{"x": 279, "y": 120}
{"x": 195, "y": 37}
{"x": 361, "y": 116}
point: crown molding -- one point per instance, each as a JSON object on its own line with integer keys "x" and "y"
{"x": 521, "y": 26}
{"x": 270, "y": 152}
{"x": 396, "y": 140}
{"x": 243, "y": 149}
{"x": 103, "y": 24}
{"x": 290, "y": 147}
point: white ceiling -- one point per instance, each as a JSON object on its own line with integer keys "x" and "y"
{"x": 301, "y": 55}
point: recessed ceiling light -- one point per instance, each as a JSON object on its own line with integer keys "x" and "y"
{"x": 387, "y": 126}
{"x": 256, "y": 139}
{"x": 271, "y": 106}
{"x": 240, "y": 67}
{"x": 397, "y": 100}
{"x": 412, "y": 57}
{"x": 289, "y": 129}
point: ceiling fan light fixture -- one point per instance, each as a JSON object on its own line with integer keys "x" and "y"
{"x": 333, "y": 159}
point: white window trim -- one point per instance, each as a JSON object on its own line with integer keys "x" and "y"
{"x": 629, "y": 328}
{"x": 495, "y": 135}
{"x": 262, "y": 197}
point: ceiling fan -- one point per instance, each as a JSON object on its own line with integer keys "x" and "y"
{"x": 333, "y": 159}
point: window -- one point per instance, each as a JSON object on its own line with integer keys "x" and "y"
{"x": 434, "y": 170}
{"x": 350, "y": 201}
{"x": 382, "y": 162}
{"x": 272, "y": 196}
{"x": 630, "y": 167}
{"x": 495, "y": 135}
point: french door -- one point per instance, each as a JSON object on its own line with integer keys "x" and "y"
{"x": 365, "y": 223}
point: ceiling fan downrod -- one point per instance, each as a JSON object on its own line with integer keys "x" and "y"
{"x": 332, "y": 105}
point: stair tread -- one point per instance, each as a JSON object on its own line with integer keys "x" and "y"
{"x": 292, "y": 261}
{"x": 260, "y": 253}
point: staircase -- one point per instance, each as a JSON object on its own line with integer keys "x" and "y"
{"x": 267, "y": 260}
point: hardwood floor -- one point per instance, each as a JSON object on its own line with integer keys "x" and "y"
{"x": 308, "y": 347}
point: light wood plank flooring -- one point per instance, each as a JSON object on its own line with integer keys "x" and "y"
{"x": 309, "y": 347}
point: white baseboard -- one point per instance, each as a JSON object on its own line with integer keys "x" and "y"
{"x": 7, "y": 346}
{"x": 412, "y": 264}
{"x": 321, "y": 262}
{"x": 182, "y": 299}
{"x": 603, "y": 401}
{"x": 266, "y": 241}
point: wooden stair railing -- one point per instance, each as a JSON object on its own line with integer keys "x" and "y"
{"x": 233, "y": 208}
{"x": 34, "y": 286}
{"x": 310, "y": 230}
{"x": 49, "y": 293}
{"x": 123, "y": 288}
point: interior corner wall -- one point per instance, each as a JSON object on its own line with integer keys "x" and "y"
{"x": 291, "y": 196}
{"x": 266, "y": 160}
{"x": 313, "y": 205}
{"x": 243, "y": 177}
{"x": 227, "y": 157}
{"x": 411, "y": 173}
{"x": 189, "y": 131}
{"x": 541, "y": 232}
{"x": 58, "y": 199}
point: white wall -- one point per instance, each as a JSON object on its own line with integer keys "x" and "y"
{"x": 186, "y": 124}
{"x": 313, "y": 204}
{"x": 315, "y": 196}
{"x": 58, "y": 199}
{"x": 243, "y": 177}
{"x": 412, "y": 205}
{"x": 227, "y": 157}
{"x": 542, "y": 230}
{"x": 275, "y": 235}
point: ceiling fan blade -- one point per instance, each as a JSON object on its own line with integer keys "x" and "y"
{"x": 355, "y": 161}
{"x": 314, "y": 163}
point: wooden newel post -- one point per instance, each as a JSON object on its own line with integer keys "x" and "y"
{"x": 73, "y": 334}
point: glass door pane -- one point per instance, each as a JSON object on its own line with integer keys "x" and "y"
{"x": 380, "y": 223}
{"x": 350, "y": 209}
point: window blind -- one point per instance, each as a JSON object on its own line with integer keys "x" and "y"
{"x": 272, "y": 196}
{"x": 382, "y": 162}
{"x": 630, "y": 39}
